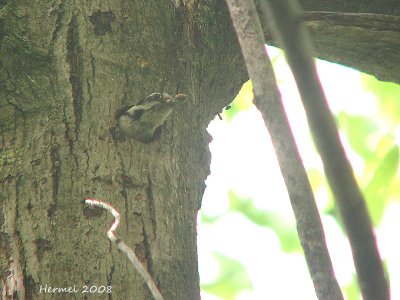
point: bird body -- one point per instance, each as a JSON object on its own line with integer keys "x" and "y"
{"x": 143, "y": 121}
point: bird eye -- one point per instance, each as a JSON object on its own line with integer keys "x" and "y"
{"x": 137, "y": 114}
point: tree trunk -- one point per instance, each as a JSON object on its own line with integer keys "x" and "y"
{"x": 66, "y": 68}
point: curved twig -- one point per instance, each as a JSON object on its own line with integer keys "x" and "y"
{"x": 124, "y": 248}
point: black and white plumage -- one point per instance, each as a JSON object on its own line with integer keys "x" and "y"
{"x": 143, "y": 121}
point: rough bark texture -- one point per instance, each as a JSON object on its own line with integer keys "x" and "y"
{"x": 364, "y": 35}
{"x": 387, "y": 7}
{"x": 367, "y": 42}
{"x": 66, "y": 68}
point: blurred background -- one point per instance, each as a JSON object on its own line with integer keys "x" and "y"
{"x": 247, "y": 239}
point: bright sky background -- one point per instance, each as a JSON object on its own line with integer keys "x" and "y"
{"x": 243, "y": 160}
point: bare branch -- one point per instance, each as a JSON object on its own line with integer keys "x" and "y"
{"x": 124, "y": 248}
{"x": 295, "y": 40}
{"x": 362, "y": 20}
{"x": 268, "y": 101}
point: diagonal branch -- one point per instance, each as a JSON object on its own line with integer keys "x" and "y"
{"x": 268, "y": 101}
{"x": 296, "y": 43}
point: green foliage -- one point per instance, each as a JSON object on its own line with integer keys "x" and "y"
{"x": 376, "y": 191}
{"x": 375, "y": 150}
{"x": 232, "y": 278}
{"x": 373, "y": 139}
{"x": 352, "y": 290}
{"x": 388, "y": 95}
{"x": 380, "y": 156}
{"x": 243, "y": 101}
{"x": 358, "y": 129}
{"x": 286, "y": 233}
{"x": 206, "y": 219}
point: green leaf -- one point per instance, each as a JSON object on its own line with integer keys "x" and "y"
{"x": 388, "y": 94}
{"x": 286, "y": 233}
{"x": 243, "y": 101}
{"x": 316, "y": 178}
{"x": 358, "y": 130}
{"x": 352, "y": 290}
{"x": 232, "y": 279}
{"x": 376, "y": 191}
{"x": 206, "y": 219}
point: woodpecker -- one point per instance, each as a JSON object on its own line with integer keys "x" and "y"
{"x": 143, "y": 121}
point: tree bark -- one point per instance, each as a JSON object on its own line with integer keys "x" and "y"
{"x": 363, "y": 35}
{"x": 66, "y": 68}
